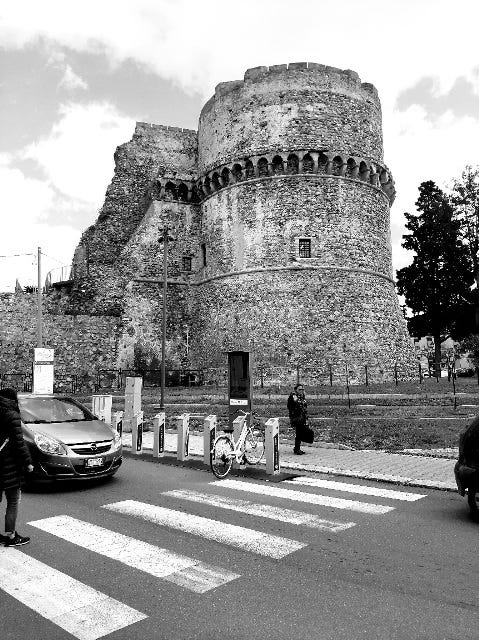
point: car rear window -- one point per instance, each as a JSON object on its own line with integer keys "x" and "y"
{"x": 44, "y": 410}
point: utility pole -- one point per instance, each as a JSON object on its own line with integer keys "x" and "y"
{"x": 39, "y": 299}
{"x": 165, "y": 238}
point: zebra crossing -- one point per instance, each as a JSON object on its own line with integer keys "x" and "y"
{"x": 88, "y": 614}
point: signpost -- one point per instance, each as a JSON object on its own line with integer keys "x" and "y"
{"x": 43, "y": 371}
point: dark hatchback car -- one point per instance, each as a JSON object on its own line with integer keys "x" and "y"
{"x": 66, "y": 441}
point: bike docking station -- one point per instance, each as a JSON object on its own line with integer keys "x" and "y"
{"x": 271, "y": 447}
{"x": 132, "y": 402}
{"x": 101, "y": 407}
{"x": 183, "y": 430}
{"x": 159, "y": 435}
{"x": 137, "y": 434}
{"x": 117, "y": 422}
{"x": 209, "y": 437}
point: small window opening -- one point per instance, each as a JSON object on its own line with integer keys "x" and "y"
{"x": 305, "y": 248}
{"x": 186, "y": 263}
{"x": 203, "y": 254}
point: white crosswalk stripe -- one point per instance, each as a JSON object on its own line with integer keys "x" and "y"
{"x": 301, "y": 496}
{"x": 181, "y": 570}
{"x": 79, "y": 609}
{"x": 251, "y": 540}
{"x": 262, "y": 510}
{"x": 356, "y": 488}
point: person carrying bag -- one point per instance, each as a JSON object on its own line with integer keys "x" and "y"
{"x": 298, "y": 416}
{"x": 14, "y": 462}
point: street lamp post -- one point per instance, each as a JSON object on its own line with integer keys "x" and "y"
{"x": 165, "y": 237}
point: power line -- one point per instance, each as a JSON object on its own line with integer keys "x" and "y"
{"x": 56, "y": 259}
{"x": 18, "y": 255}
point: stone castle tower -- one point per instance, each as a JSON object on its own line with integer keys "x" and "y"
{"x": 279, "y": 206}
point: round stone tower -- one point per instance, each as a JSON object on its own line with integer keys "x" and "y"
{"x": 295, "y": 262}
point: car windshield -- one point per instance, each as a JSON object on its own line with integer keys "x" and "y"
{"x": 43, "y": 410}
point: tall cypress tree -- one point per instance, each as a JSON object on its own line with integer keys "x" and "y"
{"x": 437, "y": 285}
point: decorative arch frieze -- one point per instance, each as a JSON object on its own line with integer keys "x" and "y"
{"x": 282, "y": 163}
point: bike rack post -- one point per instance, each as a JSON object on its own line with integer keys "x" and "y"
{"x": 237, "y": 429}
{"x": 209, "y": 436}
{"x": 117, "y": 422}
{"x": 159, "y": 435}
{"x": 183, "y": 428}
{"x": 271, "y": 446}
{"x": 101, "y": 407}
{"x": 137, "y": 433}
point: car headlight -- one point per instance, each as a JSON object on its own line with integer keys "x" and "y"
{"x": 49, "y": 445}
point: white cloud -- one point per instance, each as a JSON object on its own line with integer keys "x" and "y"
{"x": 71, "y": 80}
{"x": 418, "y": 150}
{"x": 77, "y": 158}
{"x": 77, "y": 155}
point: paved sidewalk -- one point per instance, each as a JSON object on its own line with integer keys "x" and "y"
{"x": 418, "y": 469}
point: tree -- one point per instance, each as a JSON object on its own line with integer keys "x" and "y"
{"x": 465, "y": 199}
{"x": 437, "y": 284}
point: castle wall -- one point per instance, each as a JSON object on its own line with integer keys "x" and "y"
{"x": 83, "y": 344}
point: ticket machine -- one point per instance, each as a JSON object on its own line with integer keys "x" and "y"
{"x": 239, "y": 384}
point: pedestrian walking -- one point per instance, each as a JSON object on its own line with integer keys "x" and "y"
{"x": 14, "y": 461}
{"x": 298, "y": 415}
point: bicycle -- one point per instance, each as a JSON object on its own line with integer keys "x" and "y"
{"x": 248, "y": 448}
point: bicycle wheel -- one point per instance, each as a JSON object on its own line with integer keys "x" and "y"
{"x": 254, "y": 446}
{"x": 222, "y": 457}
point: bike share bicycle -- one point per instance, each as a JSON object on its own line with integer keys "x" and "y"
{"x": 249, "y": 448}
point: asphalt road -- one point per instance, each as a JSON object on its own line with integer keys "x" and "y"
{"x": 390, "y": 569}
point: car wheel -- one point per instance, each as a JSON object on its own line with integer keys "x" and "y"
{"x": 473, "y": 500}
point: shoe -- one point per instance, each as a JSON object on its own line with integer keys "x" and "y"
{"x": 16, "y": 541}
{"x": 299, "y": 452}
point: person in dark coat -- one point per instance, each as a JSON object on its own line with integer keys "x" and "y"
{"x": 14, "y": 461}
{"x": 298, "y": 415}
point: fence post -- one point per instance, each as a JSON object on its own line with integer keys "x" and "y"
{"x": 330, "y": 375}
{"x": 366, "y": 370}
{"x": 159, "y": 435}
{"x": 271, "y": 446}
{"x": 183, "y": 429}
{"x": 396, "y": 373}
{"x": 347, "y": 386}
{"x": 137, "y": 433}
{"x": 209, "y": 436}
{"x": 297, "y": 374}
{"x": 117, "y": 422}
{"x": 420, "y": 374}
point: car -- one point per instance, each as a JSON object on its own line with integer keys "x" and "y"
{"x": 66, "y": 441}
{"x": 466, "y": 469}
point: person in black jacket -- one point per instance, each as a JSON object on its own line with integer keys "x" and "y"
{"x": 298, "y": 415}
{"x": 14, "y": 461}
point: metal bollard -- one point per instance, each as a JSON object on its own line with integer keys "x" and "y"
{"x": 159, "y": 435}
{"x": 272, "y": 447}
{"x": 117, "y": 422}
{"x": 183, "y": 428}
{"x": 101, "y": 407}
{"x": 209, "y": 436}
{"x": 137, "y": 433}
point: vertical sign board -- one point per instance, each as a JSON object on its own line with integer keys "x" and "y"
{"x": 101, "y": 407}
{"x": 159, "y": 435}
{"x": 209, "y": 437}
{"x": 239, "y": 384}
{"x": 42, "y": 371}
{"x": 132, "y": 401}
{"x": 272, "y": 446}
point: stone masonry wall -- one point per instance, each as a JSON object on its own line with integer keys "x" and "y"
{"x": 83, "y": 344}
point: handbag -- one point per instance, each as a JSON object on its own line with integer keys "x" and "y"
{"x": 307, "y": 435}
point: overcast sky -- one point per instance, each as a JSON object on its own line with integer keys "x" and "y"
{"x": 76, "y": 75}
